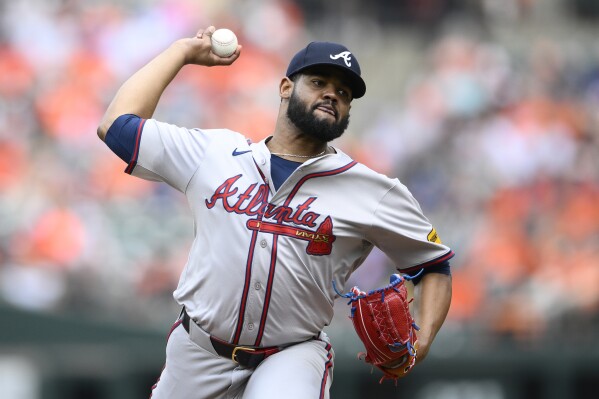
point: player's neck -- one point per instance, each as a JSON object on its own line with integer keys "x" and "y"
{"x": 297, "y": 148}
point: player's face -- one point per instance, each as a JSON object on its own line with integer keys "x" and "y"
{"x": 319, "y": 106}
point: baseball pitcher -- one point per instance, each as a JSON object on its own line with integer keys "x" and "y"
{"x": 279, "y": 226}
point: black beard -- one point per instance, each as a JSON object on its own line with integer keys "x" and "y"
{"x": 310, "y": 125}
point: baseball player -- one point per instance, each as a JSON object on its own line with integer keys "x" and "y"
{"x": 275, "y": 223}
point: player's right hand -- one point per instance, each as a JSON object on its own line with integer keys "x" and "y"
{"x": 198, "y": 50}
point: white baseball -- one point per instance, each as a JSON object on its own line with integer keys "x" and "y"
{"x": 224, "y": 42}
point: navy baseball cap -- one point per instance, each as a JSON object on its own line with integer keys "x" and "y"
{"x": 329, "y": 54}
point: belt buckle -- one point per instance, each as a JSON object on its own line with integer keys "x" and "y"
{"x": 240, "y": 348}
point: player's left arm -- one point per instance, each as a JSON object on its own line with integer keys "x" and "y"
{"x": 403, "y": 233}
{"x": 432, "y": 297}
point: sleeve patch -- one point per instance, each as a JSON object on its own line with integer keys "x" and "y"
{"x": 433, "y": 236}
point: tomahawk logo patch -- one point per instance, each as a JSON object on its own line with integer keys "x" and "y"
{"x": 320, "y": 242}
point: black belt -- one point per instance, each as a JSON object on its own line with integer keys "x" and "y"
{"x": 246, "y": 356}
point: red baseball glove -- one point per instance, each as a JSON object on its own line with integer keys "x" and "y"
{"x": 385, "y": 325}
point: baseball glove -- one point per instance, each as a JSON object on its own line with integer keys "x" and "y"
{"x": 384, "y": 324}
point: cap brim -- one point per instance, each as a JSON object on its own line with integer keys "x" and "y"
{"x": 356, "y": 83}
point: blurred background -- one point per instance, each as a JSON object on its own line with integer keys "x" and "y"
{"x": 487, "y": 110}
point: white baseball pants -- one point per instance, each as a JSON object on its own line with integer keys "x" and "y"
{"x": 193, "y": 370}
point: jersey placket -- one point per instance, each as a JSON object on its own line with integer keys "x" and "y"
{"x": 267, "y": 267}
{"x": 260, "y": 261}
{"x": 254, "y": 299}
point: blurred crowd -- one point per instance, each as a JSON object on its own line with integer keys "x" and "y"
{"x": 498, "y": 141}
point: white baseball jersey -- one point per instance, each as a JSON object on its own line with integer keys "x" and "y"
{"x": 262, "y": 263}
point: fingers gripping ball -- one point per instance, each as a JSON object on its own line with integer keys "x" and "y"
{"x": 224, "y": 42}
{"x": 385, "y": 326}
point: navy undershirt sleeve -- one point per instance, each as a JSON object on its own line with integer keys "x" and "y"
{"x": 281, "y": 169}
{"x": 442, "y": 268}
{"x": 122, "y": 135}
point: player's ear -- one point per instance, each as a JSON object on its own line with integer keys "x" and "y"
{"x": 285, "y": 88}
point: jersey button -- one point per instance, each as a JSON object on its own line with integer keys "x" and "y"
{"x": 251, "y": 326}
{"x": 258, "y": 286}
{"x": 263, "y": 243}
